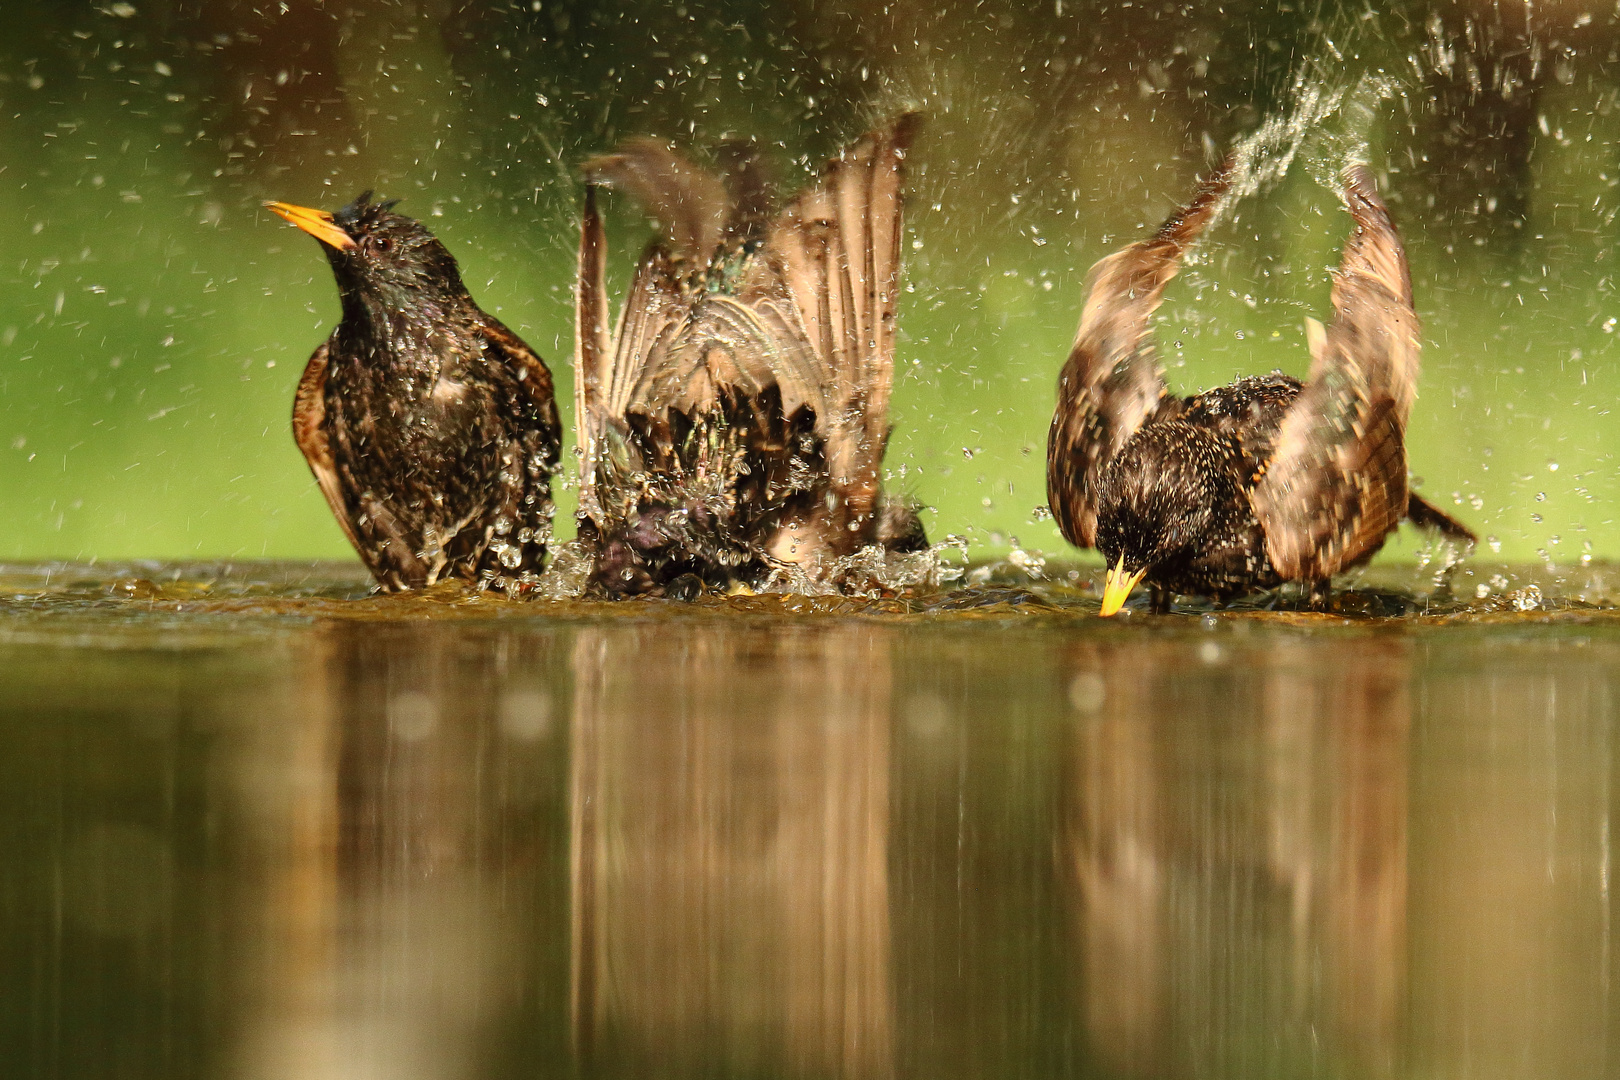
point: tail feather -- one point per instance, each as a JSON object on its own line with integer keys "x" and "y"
{"x": 1426, "y": 515}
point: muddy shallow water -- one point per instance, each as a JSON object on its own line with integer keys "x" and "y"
{"x": 256, "y": 823}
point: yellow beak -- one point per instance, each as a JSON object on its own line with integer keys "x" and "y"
{"x": 1117, "y": 587}
{"x": 318, "y": 223}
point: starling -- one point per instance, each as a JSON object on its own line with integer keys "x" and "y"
{"x": 1253, "y": 484}
{"x": 431, "y": 428}
{"x": 732, "y": 430}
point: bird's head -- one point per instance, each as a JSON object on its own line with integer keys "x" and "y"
{"x": 377, "y": 253}
{"x": 1157, "y": 504}
{"x": 1132, "y": 548}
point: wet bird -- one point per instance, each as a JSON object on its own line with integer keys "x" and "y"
{"x": 431, "y": 428}
{"x": 1257, "y": 483}
{"x": 732, "y": 429}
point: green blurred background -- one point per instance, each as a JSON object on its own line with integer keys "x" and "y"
{"x": 154, "y": 321}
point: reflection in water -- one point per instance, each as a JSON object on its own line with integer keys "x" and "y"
{"x": 730, "y": 832}
{"x": 683, "y": 846}
{"x": 1513, "y": 969}
{"x": 1237, "y": 830}
{"x": 410, "y": 855}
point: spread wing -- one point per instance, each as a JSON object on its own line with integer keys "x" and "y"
{"x": 309, "y": 432}
{"x": 1111, "y": 383}
{"x": 592, "y": 378}
{"x": 1336, "y": 485}
{"x": 811, "y": 312}
{"x": 689, "y": 201}
{"x": 829, "y": 275}
{"x": 676, "y": 346}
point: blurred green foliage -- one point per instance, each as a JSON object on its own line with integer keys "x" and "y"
{"x": 154, "y": 321}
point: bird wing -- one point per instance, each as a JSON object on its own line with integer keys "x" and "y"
{"x": 609, "y": 370}
{"x": 812, "y": 311}
{"x": 1336, "y": 483}
{"x": 626, "y": 371}
{"x": 828, "y": 279}
{"x": 525, "y": 363}
{"x": 688, "y": 200}
{"x": 1111, "y": 384}
{"x": 591, "y": 344}
{"x": 309, "y": 432}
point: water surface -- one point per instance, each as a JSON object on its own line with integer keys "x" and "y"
{"x": 254, "y": 824}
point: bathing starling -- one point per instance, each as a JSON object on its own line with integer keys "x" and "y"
{"x": 732, "y": 430}
{"x": 1253, "y": 484}
{"x": 431, "y": 428}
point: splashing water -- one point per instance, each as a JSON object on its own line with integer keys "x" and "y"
{"x": 1327, "y": 128}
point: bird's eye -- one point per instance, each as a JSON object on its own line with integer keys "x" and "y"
{"x": 380, "y": 245}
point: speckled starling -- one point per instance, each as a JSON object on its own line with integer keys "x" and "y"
{"x": 733, "y": 428}
{"x": 431, "y": 428}
{"x": 1257, "y": 483}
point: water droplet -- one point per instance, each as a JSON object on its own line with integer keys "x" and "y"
{"x": 1527, "y": 598}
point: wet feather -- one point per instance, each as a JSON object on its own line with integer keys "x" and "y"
{"x": 430, "y": 427}
{"x": 733, "y": 426}
{"x": 1260, "y": 482}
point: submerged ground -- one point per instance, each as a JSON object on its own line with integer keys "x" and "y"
{"x": 257, "y": 823}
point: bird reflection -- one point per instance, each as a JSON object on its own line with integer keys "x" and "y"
{"x": 423, "y": 763}
{"x": 730, "y": 830}
{"x": 1244, "y": 865}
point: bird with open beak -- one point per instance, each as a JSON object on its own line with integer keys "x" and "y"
{"x": 430, "y": 427}
{"x": 732, "y": 430}
{"x": 1250, "y": 485}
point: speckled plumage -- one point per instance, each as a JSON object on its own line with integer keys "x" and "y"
{"x": 431, "y": 428}
{"x": 1249, "y": 485}
{"x": 733, "y": 429}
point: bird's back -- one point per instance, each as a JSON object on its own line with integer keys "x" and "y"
{"x": 1251, "y": 408}
{"x": 1191, "y": 468}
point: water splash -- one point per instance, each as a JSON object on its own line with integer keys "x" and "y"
{"x": 876, "y": 571}
{"x": 567, "y": 574}
{"x": 1326, "y": 128}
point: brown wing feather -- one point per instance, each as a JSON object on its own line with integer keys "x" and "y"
{"x": 591, "y": 347}
{"x": 653, "y": 316}
{"x": 516, "y": 352}
{"x": 1426, "y": 515}
{"x": 1374, "y": 321}
{"x": 831, "y": 267}
{"x": 812, "y": 311}
{"x": 688, "y": 200}
{"x": 615, "y": 376}
{"x": 721, "y": 344}
{"x": 1111, "y": 383}
{"x": 1336, "y": 484}
{"x": 309, "y": 432}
